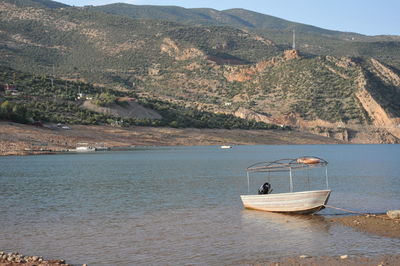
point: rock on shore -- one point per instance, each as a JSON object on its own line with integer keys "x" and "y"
{"x": 393, "y": 214}
{"x": 11, "y": 259}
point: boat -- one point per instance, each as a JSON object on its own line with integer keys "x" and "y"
{"x": 293, "y": 202}
{"x": 226, "y": 147}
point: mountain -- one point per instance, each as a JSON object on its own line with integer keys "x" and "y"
{"x": 81, "y": 42}
{"x": 236, "y": 17}
{"x": 38, "y": 3}
{"x": 239, "y": 18}
{"x": 310, "y": 39}
{"x": 199, "y": 67}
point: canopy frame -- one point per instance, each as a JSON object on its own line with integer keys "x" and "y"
{"x": 287, "y": 165}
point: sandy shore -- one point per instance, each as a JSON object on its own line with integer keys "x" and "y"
{"x": 343, "y": 260}
{"x": 374, "y": 224}
{"x": 19, "y": 139}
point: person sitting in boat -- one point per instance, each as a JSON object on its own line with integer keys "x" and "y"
{"x": 265, "y": 189}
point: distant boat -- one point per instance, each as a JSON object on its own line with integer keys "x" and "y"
{"x": 301, "y": 202}
{"x": 226, "y": 147}
{"x": 84, "y": 147}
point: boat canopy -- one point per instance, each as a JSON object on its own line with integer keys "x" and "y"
{"x": 287, "y": 165}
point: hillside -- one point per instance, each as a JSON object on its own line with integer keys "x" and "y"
{"x": 100, "y": 48}
{"x": 310, "y": 39}
{"x": 337, "y": 97}
{"x": 197, "y": 68}
{"x": 237, "y": 17}
{"x": 30, "y": 99}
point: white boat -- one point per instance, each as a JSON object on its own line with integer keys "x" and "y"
{"x": 299, "y": 202}
{"x": 226, "y": 147}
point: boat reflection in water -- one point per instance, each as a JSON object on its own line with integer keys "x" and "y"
{"x": 273, "y": 232}
{"x": 269, "y": 221}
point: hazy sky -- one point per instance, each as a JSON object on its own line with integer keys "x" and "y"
{"x": 371, "y": 17}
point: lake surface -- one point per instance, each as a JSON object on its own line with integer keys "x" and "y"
{"x": 181, "y": 205}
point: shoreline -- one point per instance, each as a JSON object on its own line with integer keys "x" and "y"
{"x": 380, "y": 225}
{"x": 303, "y": 260}
{"x": 11, "y": 259}
{"x": 20, "y": 139}
{"x": 338, "y": 260}
{"x": 15, "y": 259}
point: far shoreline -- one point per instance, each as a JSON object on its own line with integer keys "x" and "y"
{"x": 20, "y": 139}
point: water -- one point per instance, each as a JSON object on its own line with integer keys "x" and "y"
{"x": 181, "y": 205}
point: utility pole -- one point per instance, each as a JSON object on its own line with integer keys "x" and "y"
{"x": 52, "y": 78}
{"x": 294, "y": 40}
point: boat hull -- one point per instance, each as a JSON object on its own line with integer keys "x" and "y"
{"x": 304, "y": 202}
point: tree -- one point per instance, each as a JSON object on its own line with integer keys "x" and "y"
{"x": 5, "y": 110}
{"x": 105, "y": 98}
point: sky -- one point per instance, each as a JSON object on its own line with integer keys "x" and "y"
{"x": 369, "y": 17}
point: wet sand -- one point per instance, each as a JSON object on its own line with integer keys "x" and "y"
{"x": 373, "y": 224}
{"x": 335, "y": 261}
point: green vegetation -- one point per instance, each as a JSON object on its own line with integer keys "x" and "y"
{"x": 317, "y": 89}
{"x": 177, "y": 116}
{"x": 200, "y": 58}
{"x": 44, "y": 99}
{"x": 108, "y": 48}
{"x": 105, "y": 99}
{"x": 14, "y": 112}
{"x": 310, "y": 39}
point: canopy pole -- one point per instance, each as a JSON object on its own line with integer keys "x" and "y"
{"x": 326, "y": 176}
{"x": 291, "y": 181}
{"x": 248, "y": 183}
